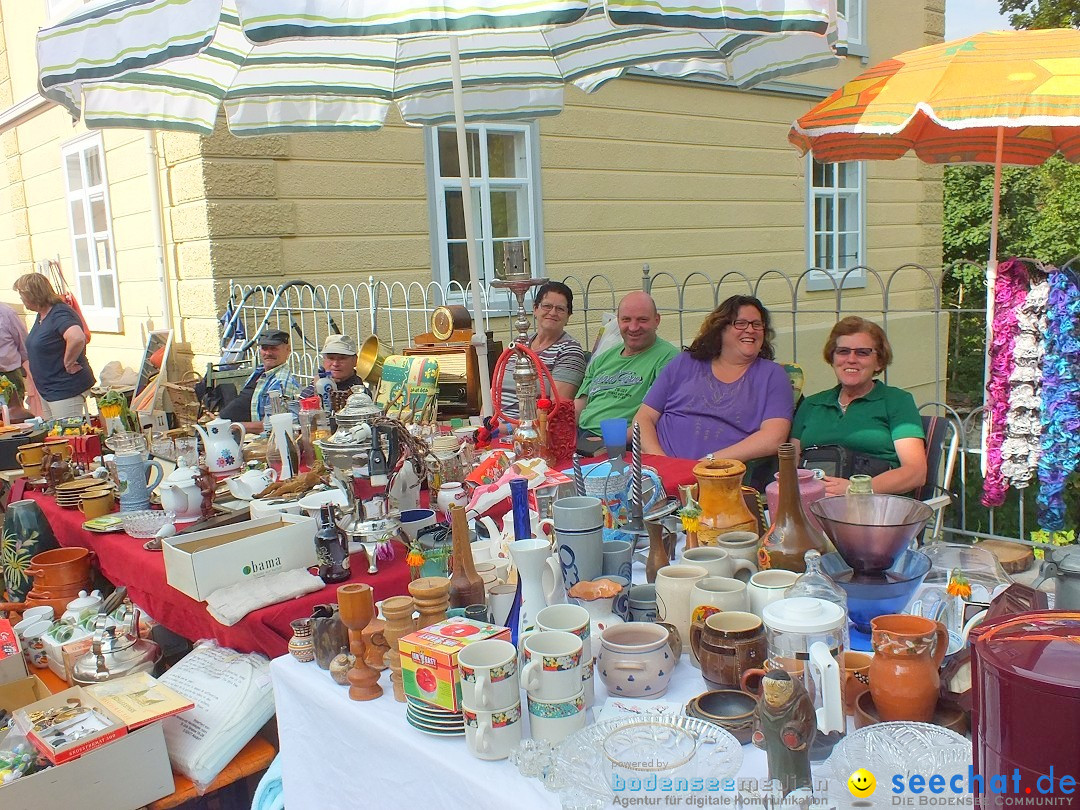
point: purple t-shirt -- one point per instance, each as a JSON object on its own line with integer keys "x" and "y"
{"x": 700, "y": 415}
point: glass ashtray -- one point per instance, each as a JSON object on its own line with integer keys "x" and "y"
{"x": 606, "y": 760}
{"x": 146, "y": 523}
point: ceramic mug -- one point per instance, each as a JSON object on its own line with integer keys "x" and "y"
{"x": 718, "y": 593}
{"x": 620, "y": 605}
{"x": 751, "y": 678}
{"x": 59, "y": 447}
{"x": 579, "y": 532}
{"x": 413, "y": 520}
{"x": 30, "y": 455}
{"x": 727, "y": 645}
{"x": 618, "y": 558}
{"x": 492, "y": 733}
{"x": 569, "y": 619}
{"x": 38, "y": 613}
{"x": 673, "y": 586}
{"x": 489, "y": 674}
{"x": 768, "y": 586}
{"x": 741, "y": 546}
{"x": 96, "y": 502}
{"x": 717, "y": 561}
{"x": 642, "y": 603}
{"x": 552, "y": 668}
{"x": 555, "y": 720}
{"x": 34, "y": 639}
{"x": 856, "y": 679}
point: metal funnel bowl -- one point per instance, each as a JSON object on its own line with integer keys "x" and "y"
{"x": 870, "y": 531}
{"x": 870, "y": 596}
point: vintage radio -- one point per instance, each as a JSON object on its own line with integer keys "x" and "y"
{"x": 449, "y": 342}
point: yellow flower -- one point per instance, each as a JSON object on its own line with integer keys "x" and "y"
{"x": 415, "y": 559}
{"x": 958, "y": 584}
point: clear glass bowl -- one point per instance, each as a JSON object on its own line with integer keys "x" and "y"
{"x": 146, "y": 523}
{"x": 644, "y": 748}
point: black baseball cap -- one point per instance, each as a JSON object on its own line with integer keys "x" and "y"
{"x": 274, "y": 337}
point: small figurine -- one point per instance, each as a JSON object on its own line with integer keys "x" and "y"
{"x": 784, "y": 726}
{"x": 206, "y": 484}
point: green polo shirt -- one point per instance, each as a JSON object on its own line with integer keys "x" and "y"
{"x": 615, "y": 385}
{"x": 871, "y": 425}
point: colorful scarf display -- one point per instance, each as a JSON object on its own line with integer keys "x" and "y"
{"x": 1020, "y": 450}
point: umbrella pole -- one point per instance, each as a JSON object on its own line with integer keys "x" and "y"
{"x": 991, "y": 282}
{"x": 480, "y": 331}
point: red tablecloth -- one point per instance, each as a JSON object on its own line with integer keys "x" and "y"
{"x": 124, "y": 561}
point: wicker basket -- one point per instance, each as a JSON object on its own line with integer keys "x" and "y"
{"x": 183, "y": 401}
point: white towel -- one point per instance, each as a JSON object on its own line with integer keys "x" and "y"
{"x": 232, "y": 603}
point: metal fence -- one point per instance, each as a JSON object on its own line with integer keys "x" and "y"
{"x": 397, "y": 312}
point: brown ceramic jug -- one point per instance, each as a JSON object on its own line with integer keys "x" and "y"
{"x": 721, "y": 498}
{"x": 727, "y": 644}
{"x": 904, "y": 679}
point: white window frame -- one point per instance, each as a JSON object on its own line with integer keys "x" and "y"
{"x": 823, "y": 278}
{"x": 854, "y": 11}
{"x": 482, "y": 185}
{"x": 98, "y": 317}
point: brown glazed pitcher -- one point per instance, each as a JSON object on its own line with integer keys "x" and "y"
{"x": 722, "y": 506}
{"x": 904, "y": 677}
{"x": 727, "y": 644}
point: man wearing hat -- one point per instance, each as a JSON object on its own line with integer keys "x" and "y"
{"x": 339, "y": 364}
{"x": 252, "y": 404}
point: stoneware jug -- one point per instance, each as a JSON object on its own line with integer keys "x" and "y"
{"x": 221, "y": 444}
{"x": 720, "y": 495}
{"x": 904, "y": 672}
{"x": 134, "y": 474}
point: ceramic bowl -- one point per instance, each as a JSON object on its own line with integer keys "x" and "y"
{"x": 731, "y": 709}
{"x": 946, "y": 714}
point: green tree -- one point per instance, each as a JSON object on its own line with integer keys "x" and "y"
{"x": 1042, "y": 13}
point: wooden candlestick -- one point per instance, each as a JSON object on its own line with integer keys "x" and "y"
{"x": 432, "y": 597}
{"x": 398, "y": 611}
{"x": 356, "y": 602}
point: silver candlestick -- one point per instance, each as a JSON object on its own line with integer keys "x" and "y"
{"x": 636, "y": 523}
{"x": 516, "y": 279}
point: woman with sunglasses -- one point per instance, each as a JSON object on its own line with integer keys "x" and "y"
{"x": 862, "y": 414}
{"x": 556, "y": 348}
{"x": 724, "y": 396}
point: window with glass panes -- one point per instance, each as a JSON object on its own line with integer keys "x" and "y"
{"x": 835, "y": 227}
{"x": 90, "y": 226}
{"x": 503, "y": 177}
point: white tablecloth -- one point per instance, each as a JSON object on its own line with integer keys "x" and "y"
{"x": 340, "y": 753}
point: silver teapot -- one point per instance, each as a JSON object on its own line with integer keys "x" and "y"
{"x": 116, "y": 651}
{"x": 1063, "y": 564}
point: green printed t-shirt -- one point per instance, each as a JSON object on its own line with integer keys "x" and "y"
{"x": 871, "y": 425}
{"x": 616, "y": 385}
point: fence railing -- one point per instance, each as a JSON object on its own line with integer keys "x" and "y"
{"x": 910, "y": 294}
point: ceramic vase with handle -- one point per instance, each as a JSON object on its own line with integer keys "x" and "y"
{"x": 137, "y": 481}
{"x": 722, "y": 506}
{"x": 904, "y": 676}
{"x": 539, "y": 578}
{"x": 26, "y": 532}
{"x": 221, "y": 444}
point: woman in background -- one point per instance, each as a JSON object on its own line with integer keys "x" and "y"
{"x": 56, "y": 347}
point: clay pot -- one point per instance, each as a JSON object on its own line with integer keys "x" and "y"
{"x": 61, "y": 566}
{"x": 722, "y": 506}
{"x": 946, "y": 714}
{"x": 636, "y": 660}
{"x": 904, "y": 672}
{"x": 731, "y": 709}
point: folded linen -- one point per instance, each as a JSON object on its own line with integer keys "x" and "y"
{"x": 230, "y": 604}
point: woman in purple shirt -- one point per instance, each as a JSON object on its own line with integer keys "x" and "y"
{"x": 724, "y": 395}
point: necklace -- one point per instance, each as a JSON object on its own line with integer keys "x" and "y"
{"x": 840, "y": 402}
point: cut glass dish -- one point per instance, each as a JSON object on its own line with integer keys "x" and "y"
{"x": 146, "y": 523}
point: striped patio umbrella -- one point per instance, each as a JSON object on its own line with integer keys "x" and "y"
{"x": 999, "y": 97}
{"x": 285, "y": 66}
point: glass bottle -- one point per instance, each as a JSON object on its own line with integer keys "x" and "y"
{"x": 859, "y": 488}
{"x": 466, "y": 586}
{"x": 860, "y": 485}
{"x": 519, "y": 508}
{"x": 791, "y": 534}
{"x": 311, "y": 429}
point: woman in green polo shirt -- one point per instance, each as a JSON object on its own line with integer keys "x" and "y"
{"x": 862, "y": 414}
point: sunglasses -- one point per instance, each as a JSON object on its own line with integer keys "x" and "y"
{"x": 844, "y": 351}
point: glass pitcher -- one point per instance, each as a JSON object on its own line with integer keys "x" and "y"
{"x": 805, "y": 636}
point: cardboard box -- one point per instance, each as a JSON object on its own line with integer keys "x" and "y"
{"x": 202, "y": 562}
{"x": 21, "y": 693}
{"x": 429, "y": 659}
{"x": 12, "y": 663}
{"x": 44, "y": 738}
{"x": 126, "y": 774}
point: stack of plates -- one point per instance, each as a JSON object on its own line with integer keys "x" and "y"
{"x": 68, "y": 493}
{"x": 432, "y": 720}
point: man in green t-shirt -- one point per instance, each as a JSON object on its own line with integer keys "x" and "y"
{"x": 616, "y": 381}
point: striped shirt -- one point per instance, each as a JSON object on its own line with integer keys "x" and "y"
{"x": 566, "y": 360}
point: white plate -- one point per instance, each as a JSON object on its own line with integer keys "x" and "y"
{"x": 312, "y": 503}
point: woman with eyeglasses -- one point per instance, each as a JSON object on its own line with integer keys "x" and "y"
{"x": 862, "y": 414}
{"x": 724, "y": 395}
{"x": 557, "y": 349}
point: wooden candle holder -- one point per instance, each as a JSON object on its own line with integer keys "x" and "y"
{"x": 356, "y": 603}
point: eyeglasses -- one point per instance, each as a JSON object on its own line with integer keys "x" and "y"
{"x": 553, "y": 308}
{"x": 742, "y": 325}
{"x": 844, "y": 351}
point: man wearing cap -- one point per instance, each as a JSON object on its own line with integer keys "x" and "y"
{"x": 339, "y": 364}
{"x": 252, "y": 404}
